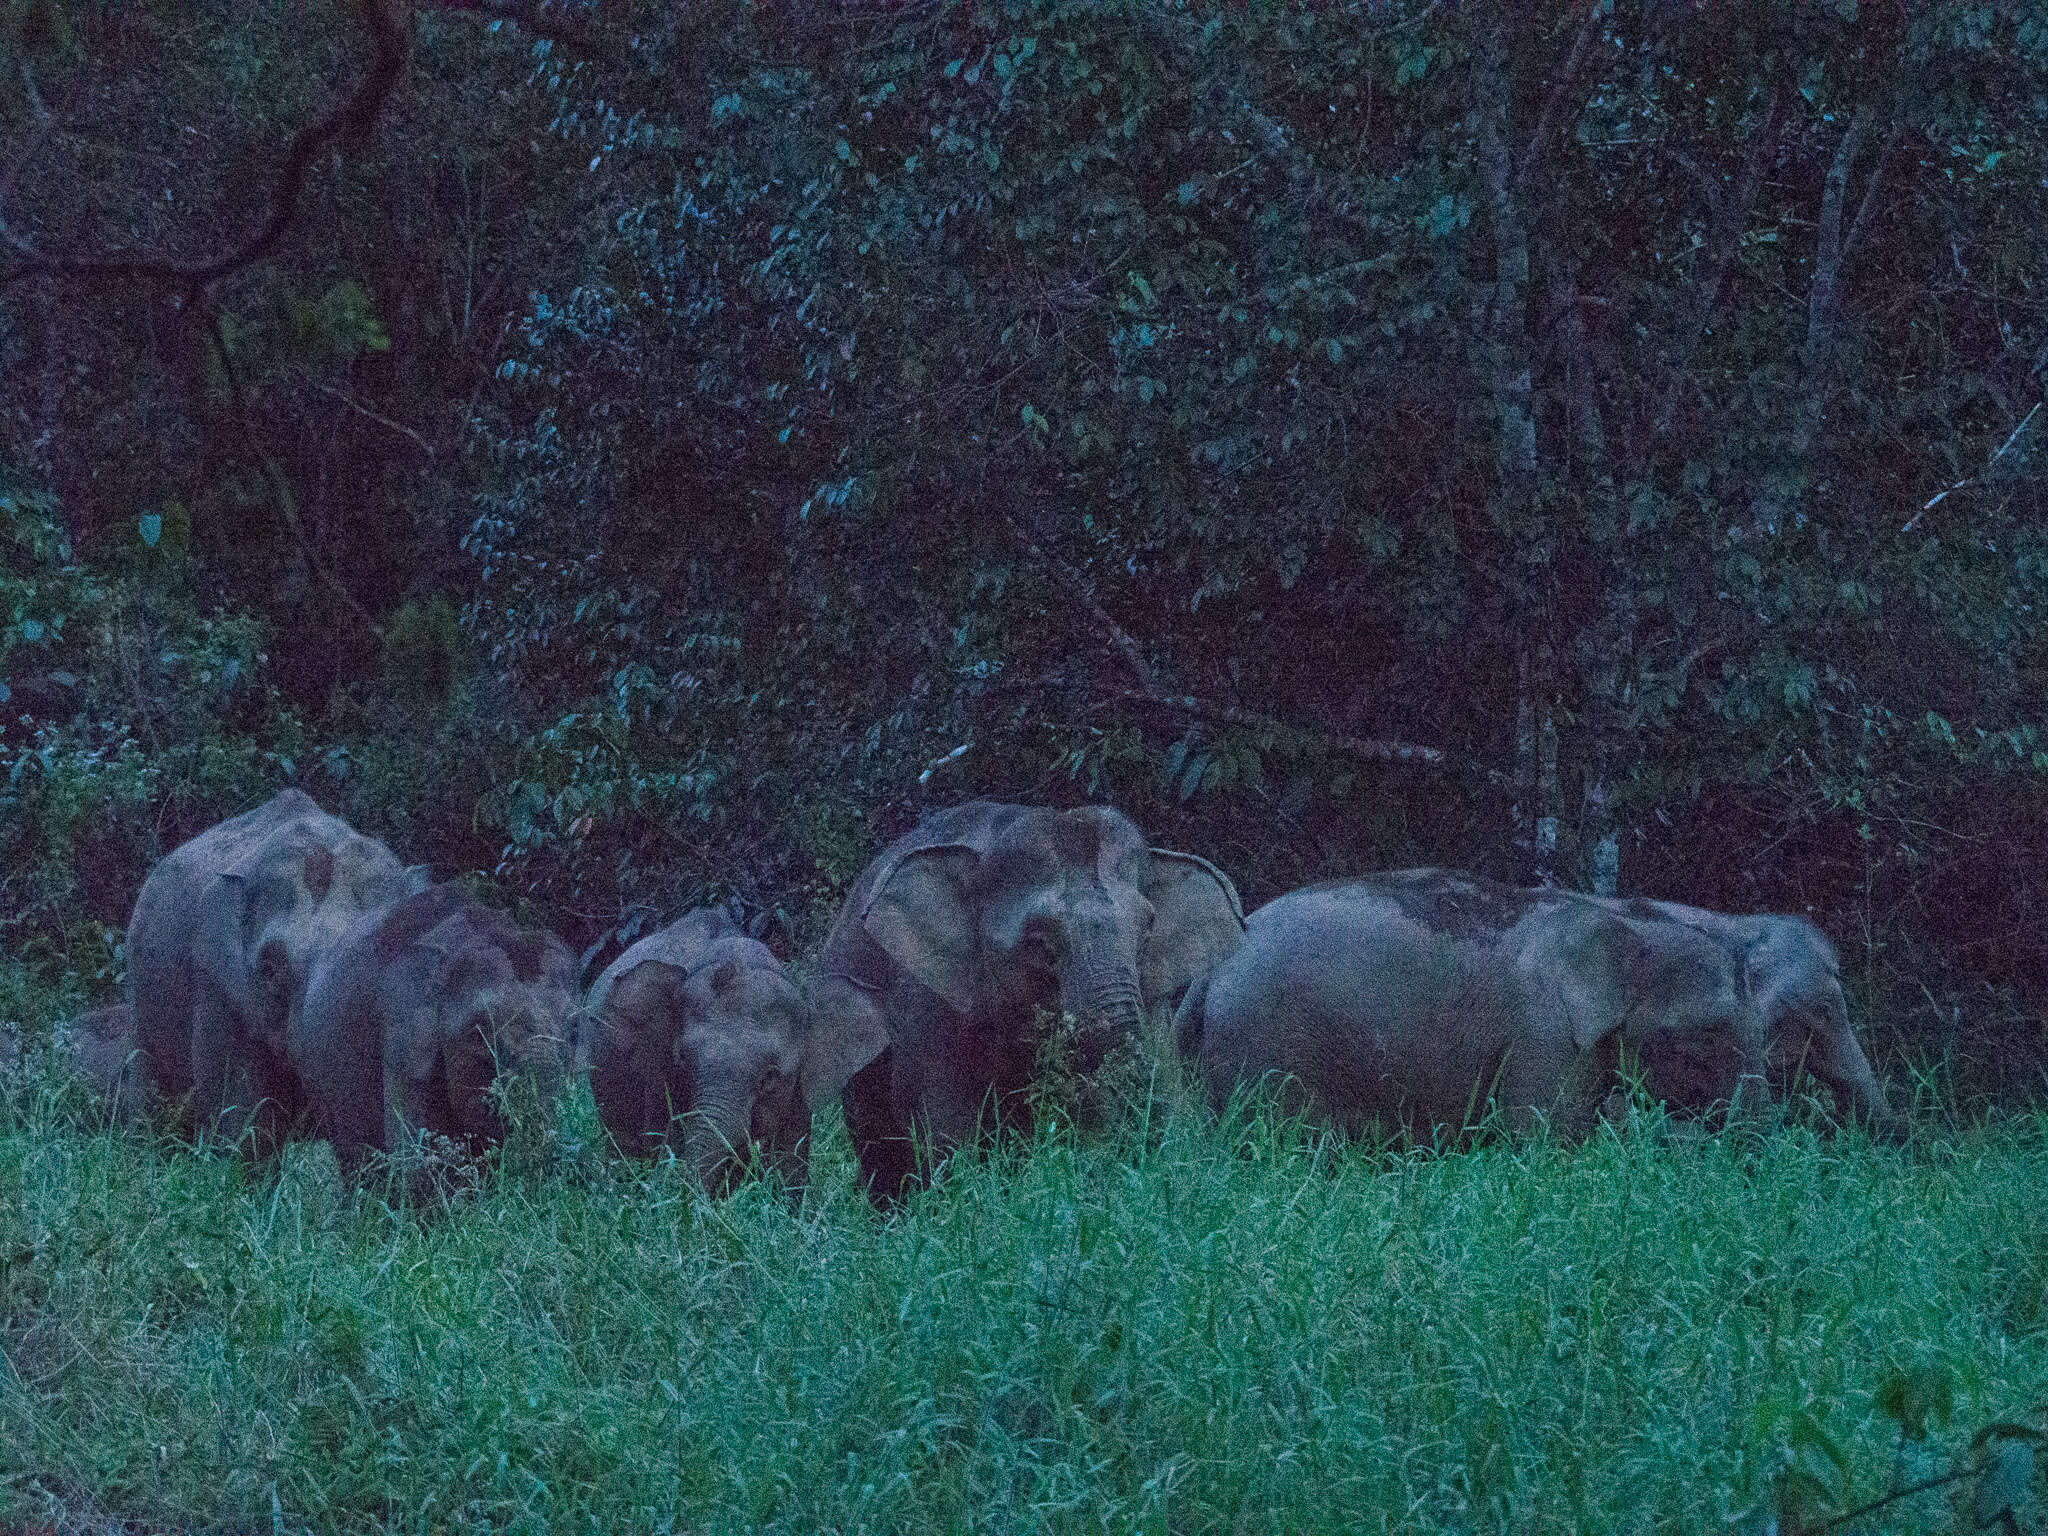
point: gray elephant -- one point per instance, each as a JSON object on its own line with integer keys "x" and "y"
{"x": 701, "y": 1022}
{"x": 1414, "y": 999}
{"x": 225, "y": 934}
{"x": 1794, "y": 979}
{"x": 961, "y": 930}
{"x": 423, "y": 1013}
{"x": 99, "y": 1050}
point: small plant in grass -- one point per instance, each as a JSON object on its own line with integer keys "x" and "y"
{"x": 1992, "y": 1479}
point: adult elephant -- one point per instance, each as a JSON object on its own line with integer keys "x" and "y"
{"x": 701, "y": 1025}
{"x": 225, "y": 934}
{"x": 424, "y": 1015}
{"x": 1794, "y": 978}
{"x": 1419, "y": 999}
{"x": 961, "y": 930}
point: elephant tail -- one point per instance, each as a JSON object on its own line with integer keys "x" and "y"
{"x": 1191, "y": 1020}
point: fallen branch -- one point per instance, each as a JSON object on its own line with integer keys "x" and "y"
{"x": 937, "y": 763}
{"x": 348, "y": 121}
{"x": 1969, "y": 480}
{"x": 1230, "y": 714}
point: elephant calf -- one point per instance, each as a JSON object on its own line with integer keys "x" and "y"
{"x": 413, "y": 1020}
{"x": 100, "y": 1050}
{"x": 701, "y": 1024}
{"x": 1413, "y": 999}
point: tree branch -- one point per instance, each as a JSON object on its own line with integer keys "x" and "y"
{"x": 347, "y": 122}
{"x": 281, "y": 487}
{"x": 1230, "y": 714}
{"x": 1546, "y": 124}
{"x": 1724, "y": 238}
{"x": 1078, "y": 589}
{"x": 1874, "y": 185}
{"x": 1829, "y": 250}
{"x": 1941, "y": 496}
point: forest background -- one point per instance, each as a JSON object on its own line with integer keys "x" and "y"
{"x": 649, "y": 453}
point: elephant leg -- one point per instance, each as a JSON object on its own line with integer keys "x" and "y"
{"x": 221, "y": 1093}
{"x": 881, "y": 1135}
{"x": 275, "y": 1105}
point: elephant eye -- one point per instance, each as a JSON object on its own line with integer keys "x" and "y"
{"x": 1040, "y": 939}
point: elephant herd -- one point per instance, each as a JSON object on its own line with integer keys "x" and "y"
{"x": 289, "y": 974}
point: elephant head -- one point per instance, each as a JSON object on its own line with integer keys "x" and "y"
{"x": 1691, "y": 1023}
{"x": 1797, "y": 979}
{"x": 700, "y": 1024}
{"x": 1039, "y": 908}
{"x": 284, "y": 899}
{"x": 471, "y": 1005}
{"x": 1794, "y": 980}
{"x": 960, "y": 931}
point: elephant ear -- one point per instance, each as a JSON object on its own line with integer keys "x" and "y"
{"x": 1584, "y": 966}
{"x": 922, "y": 915}
{"x": 833, "y": 1052}
{"x": 1198, "y": 919}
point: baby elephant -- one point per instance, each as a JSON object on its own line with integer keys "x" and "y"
{"x": 701, "y": 1022}
{"x": 100, "y": 1050}
{"x": 413, "y": 1019}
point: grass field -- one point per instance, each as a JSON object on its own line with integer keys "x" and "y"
{"x": 1203, "y": 1327}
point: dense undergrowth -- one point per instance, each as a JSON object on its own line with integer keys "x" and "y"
{"x": 1184, "y": 1325}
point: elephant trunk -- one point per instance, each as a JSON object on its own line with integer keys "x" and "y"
{"x": 715, "y": 1138}
{"x": 1840, "y": 1063}
{"x": 1100, "y": 988}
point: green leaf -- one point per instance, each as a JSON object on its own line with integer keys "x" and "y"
{"x": 1176, "y": 755}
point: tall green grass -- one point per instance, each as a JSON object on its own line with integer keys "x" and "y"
{"x": 1199, "y": 1327}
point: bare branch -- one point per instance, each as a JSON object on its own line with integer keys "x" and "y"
{"x": 1078, "y": 588}
{"x": 347, "y": 122}
{"x": 1872, "y": 187}
{"x": 1828, "y": 248}
{"x": 1230, "y": 714}
{"x": 1553, "y": 104}
{"x": 1724, "y": 238}
{"x": 1967, "y": 480}
{"x": 383, "y": 421}
{"x": 279, "y": 485}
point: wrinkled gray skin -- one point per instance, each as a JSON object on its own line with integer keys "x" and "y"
{"x": 412, "y": 1019}
{"x": 1409, "y": 1000}
{"x": 225, "y": 934}
{"x": 1794, "y": 979}
{"x": 957, "y": 934}
{"x": 701, "y": 1022}
{"x": 99, "y": 1049}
